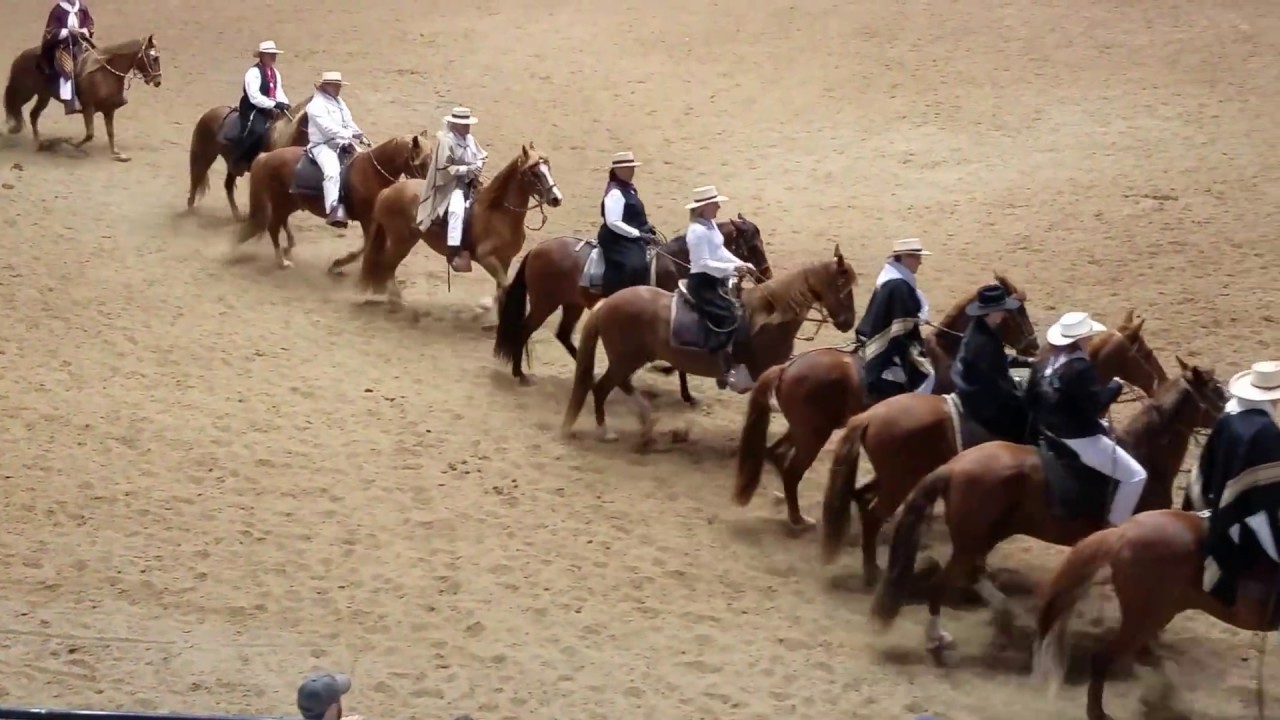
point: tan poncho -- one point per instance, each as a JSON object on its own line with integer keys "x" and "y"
{"x": 440, "y": 183}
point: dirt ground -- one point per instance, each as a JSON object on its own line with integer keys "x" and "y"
{"x": 219, "y": 475}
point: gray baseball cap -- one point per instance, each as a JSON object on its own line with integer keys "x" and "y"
{"x": 319, "y": 691}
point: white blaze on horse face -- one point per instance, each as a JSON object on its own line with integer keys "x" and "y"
{"x": 546, "y": 175}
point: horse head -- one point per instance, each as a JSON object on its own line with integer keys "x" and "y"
{"x": 1017, "y": 330}
{"x": 418, "y": 160}
{"x": 1209, "y": 394}
{"x": 834, "y": 286}
{"x": 147, "y": 64}
{"x": 748, "y": 245}
{"x": 535, "y": 175}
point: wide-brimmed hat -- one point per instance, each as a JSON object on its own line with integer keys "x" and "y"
{"x": 624, "y": 159}
{"x": 705, "y": 195}
{"x": 267, "y": 47}
{"x": 461, "y": 116}
{"x": 910, "y": 246}
{"x": 331, "y": 77}
{"x": 1260, "y": 382}
{"x": 1072, "y": 327}
{"x": 992, "y": 298}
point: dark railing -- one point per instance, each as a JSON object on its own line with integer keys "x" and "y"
{"x": 13, "y": 713}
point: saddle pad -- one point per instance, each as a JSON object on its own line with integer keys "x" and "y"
{"x": 308, "y": 179}
{"x": 1076, "y": 491}
{"x": 966, "y": 433}
{"x": 593, "y": 271}
{"x": 687, "y": 328}
{"x": 230, "y": 132}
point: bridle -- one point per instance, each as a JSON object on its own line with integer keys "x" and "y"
{"x": 532, "y": 174}
{"x": 149, "y": 72}
{"x": 411, "y": 168}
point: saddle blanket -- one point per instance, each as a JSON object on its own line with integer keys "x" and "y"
{"x": 965, "y": 432}
{"x": 1076, "y": 491}
{"x": 689, "y": 331}
{"x": 230, "y": 132}
{"x": 593, "y": 272}
{"x": 308, "y": 178}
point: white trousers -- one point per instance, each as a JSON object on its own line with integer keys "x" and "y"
{"x": 327, "y": 158}
{"x": 456, "y": 212}
{"x": 1257, "y": 522}
{"x": 1102, "y": 454}
{"x": 66, "y": 89}
{"x": 926, "y": 387}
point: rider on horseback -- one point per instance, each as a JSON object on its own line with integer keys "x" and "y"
{"x": 890, "y": 331}
{"x": 1066, "y": 399}
{"x": 984, "y": 387}
{"x": 710, "y": 266}
{"x": 262, "y": 96}
{"x": 331, "y": 131}
{"x": 67, "y": 32}
{"x": 452, "y": 181}
{"x": 626, "y": 229}
{"x": 1238, "y": 479}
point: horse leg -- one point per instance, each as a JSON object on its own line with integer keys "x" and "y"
{"x": 781, "y": 450}
{"x": 960, "y": 567}
{"x": 569, "y": 316}
{"x": 109, "y": 119}
{"x": 599, "y": 393}
{"x": 539, "y": 311}
{"x": 805, "y": 453}
{"x": 87, "y": 115}
{"x": 685, "y": 395}
{"x": 499, "y": 275}
{"x": 273, "y": 229}
{"x": 869, "y": 518}
{"x": 643, "y": 410}
{"x": 230, "y": 185}
{"x": 42, "y": 102}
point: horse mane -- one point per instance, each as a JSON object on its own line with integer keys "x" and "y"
{"x": 495, "y": 189}
{"x": 784, "y": 298}
{"x": 282, "y": 132}
{"x": 98, "y": 58}
{"x": 1149, "y": 426}
{"x": 957, "y": 309}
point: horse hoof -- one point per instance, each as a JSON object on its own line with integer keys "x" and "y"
{"x": 336, "y": 270}
{"x": 121, "y": 157}
{"x": 692, "y": 401}
{"x": 285, "y": 264}
{"x": 607, "y": 436}
{"x": 524, "y": 381}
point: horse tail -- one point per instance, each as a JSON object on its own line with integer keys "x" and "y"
{"x": 375, "y": 254}
{"x": 203, "y": 153}
{"x": 510, "y": 338}
{"x": 259, "y": 202}
{"x": 584, "y": 374}
{"x": 1059, "y": 598}
{"x": 755, "y": 435}
{"x": 906, "y": 544}
{"x": 842, "y": 484}
{"x": 13, "y": 102}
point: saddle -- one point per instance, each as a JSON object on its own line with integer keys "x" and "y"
{"x": 593, "y": 272}
{"x": 441, "y": 224}
{"x": 229, "y": 132}
{"x": 967, "y": 431}
{"x": 689, "y": 331}
{"x": 1075, "y": 490}
{"x": 308, "y": 178}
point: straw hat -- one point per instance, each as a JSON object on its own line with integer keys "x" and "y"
{"x": 461, "y": 116}
{"x": 267, "y": 47}
{"x": 1072, "y": 327}
{"x": 910, "y": 246}
{"x": 705, "y": 196}
{"x": 331, "y": 77}
{"x": 624, "y": 159}
{"x": 1260, "y": 382}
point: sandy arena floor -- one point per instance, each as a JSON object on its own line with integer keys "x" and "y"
{"x": 219, "y": 475}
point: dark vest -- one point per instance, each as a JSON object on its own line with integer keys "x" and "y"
{"x": 246, "y": 107}
{"x": 632, "y": 212}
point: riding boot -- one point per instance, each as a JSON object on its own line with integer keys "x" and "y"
{"x": 459, "y": 260}
{"x": 337, "y": 217}
{"x": 726, "y": 367}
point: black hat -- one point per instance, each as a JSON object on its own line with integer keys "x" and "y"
{"x": 992, "y": 298}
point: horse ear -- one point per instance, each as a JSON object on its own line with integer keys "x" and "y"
{"x": 151, "y": 39}
{"x": 1128, "y": 317}
{"x": 1133, "y": 331}
{"x": 524, "y": 151}
{"x": 531, "y": 147}
{"x": 741, "y": 218}
{"x": 1182, "y": 363}
{"x": 416, "y": 143}
{"x": 838, "y": 255}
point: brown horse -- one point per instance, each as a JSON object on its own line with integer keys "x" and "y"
{"x": 103, "y": 75}
{"x": 997, "y": 490}
{"x": 1157, "y": 566}
{"x": 208, "y": 143}
{"x": 549, "y": 279}
{"x": 495, "y": 224}
{"x": 635, "y": 326}
{"x": 908, "y": 436}
{"x": 271, "y": 200}
{"x": 819, "y": 390}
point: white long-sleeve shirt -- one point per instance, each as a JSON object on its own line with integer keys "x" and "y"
{"x": 707, "y": 253}
{"x": 467, "y": 154}
{"x": 330, "y": 121}
{"x": 613, "y": 206}
{"x": 253, "y": 85}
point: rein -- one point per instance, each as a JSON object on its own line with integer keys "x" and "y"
{"x": 536, "y": 203}
{"x": 133, "y": 71}
{"x": 386, "y": 174}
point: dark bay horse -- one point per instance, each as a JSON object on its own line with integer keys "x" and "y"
{"x": 495, "y": 224}
{"x": 819, "y": 390}
{"x": 634, "y": 326}
{"x": 1157, "y": 568}
{"x": 103, "y": 75}
{"x": 208, "y": 144}
{"x": 270, "y": 179}
{"x": 549, "y": 278}
{"x": 908, "y": 436}
{"x": 997, "y": 490}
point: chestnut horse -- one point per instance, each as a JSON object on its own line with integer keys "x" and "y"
{"x": 819, "y": 390}
{"x": 103, "y": 75}
{"x": 908, "y": 436}
{"x": 997, "y": 490}
{"x": 635, "y": 326}
{"x": 1157, "y": 568}
{"x": 495, "y": 224}
{"x": 549, "y": 279}
{"x": 208, "y": 144}
{"x": 271, "y": 200}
